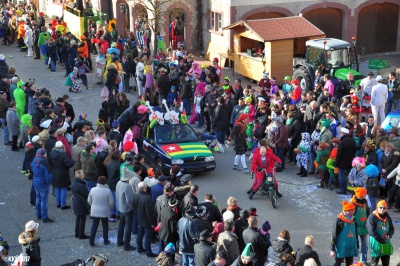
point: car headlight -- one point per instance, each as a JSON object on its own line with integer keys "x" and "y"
{"x": 269, "y": 178}
{"x": 177, "y": 161}
{"x": 209, "y": 159}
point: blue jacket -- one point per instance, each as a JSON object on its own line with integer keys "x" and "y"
{"x": 42, "y": 175}
{"x": 156, "y": 190}
{"x": 172, "y": 96}
{"x": 188, "y": 235}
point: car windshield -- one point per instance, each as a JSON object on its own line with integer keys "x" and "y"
{"x": 393, "y": 122}
{"x": 174, "y": 133}
{"x": 317, "y": 57}
{"x": 337, "y": 58}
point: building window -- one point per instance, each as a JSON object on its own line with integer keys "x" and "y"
{"x": 219, "y": 19}
{"x": 212, "y": 22}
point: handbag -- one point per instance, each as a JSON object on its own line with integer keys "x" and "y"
{"x": 382, "y": 182}
{"x": 104, "y": 92}
{"x": 386, "y": 249}
{"x": 87, "y": 205}
{"x": 132, "y": 81}
{"x": 117, "y": 79}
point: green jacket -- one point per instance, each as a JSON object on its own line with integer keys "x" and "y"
{"x": 322, "y": 158}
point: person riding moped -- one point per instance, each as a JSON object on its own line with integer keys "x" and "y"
{"x": 262, "y": 165}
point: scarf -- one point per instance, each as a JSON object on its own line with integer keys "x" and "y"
{"x": 379, "y": 216}
{"x": 342, "y": 217}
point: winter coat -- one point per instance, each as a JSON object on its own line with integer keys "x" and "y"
{"x": 88, "y": 166}
{"x": 326, "y": 136}
{"x": 101, "y": 201}
{"x": 164, "y": 259}
{"x": 189, "y": 201}
{"x": 113, "y": 174}
{"x": 163, "y": 84}
{"x": 281, "y": 247}
{"x": 13, "y": 122}
{"x": 60, "y": 163}
{"x": 124, "y": 197}
{"x": 42, "y": 174}
{"x": 75, "y": 152}
{"x": 72, "y": 54}
{"x": 99, "y": 160}
{"x": 304, "y": 253}
{"x": 345, "y": 154}
{"x": 30, "y": 248}
{"x": 49, "y": 144}
{"x": 204, "y": 253}
{"x": 145, "y": 210}
{"x": 156, "y": 190}
{"x": 228, "y": 241}
{"x": 239, "y": 262}
{"x": 66, "y": 145}
{"x": 260, "y": 246}
{"x": 358, "y": 177}
{"x": 281, "y": 139}
{"x": 389, "y": 163}
{"x": 212, "y": 212}
{"x": 188, "y": 235}
{"x": 28, "y": 37}
{"x": 372, "y": 186}
{"x": 270, "y": 160}
{"x": 342, "y": 245}
{"x": 294, "y": 132}
{"x": 221, "y": 118}
{"x": 378, "y": 226}
{"x": 168, "y": 232}
{"x": 80, "y": 195}
{"x": 240, "y": 226}
{"x": 37, "y": 116}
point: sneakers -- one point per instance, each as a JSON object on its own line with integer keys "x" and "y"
{"x": 151, "y": 255}
{"x": 112, "y": 220}
{"x": 236, "y": 168}
{"x": 65, "y": 207}
{"x": 246, "y": 170}
{"x": 48, "y": 220}
{"x": 129, "y": 248}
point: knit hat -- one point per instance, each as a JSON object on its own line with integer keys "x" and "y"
{"x": 248, "y": 250}
{"x": 170, "y": 249}
{"x": 266, "y": 226}
{"x": 382, "y": 203}
{"x": 325, "y": 123}
{"x": 30, "y": 226}
{"x": 347, "y": 206}
{"x": 58, "y": 144}
{"x": 228, "y": 215}
{"x": 360, "y": 192}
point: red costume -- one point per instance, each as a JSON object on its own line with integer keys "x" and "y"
{"x": 270, "y": 159}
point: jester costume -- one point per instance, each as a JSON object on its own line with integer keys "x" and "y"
{"x": 251, "y": 111}
{"x": 227, "y": 88}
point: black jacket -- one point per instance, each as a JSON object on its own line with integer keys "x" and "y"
{"x": 336, "y": 230}
{"x": 80, "y": 192}
{"x": 60, "y": 163}
{"x": 30, "y": 248}
{"x": 238, "y": 94}
{"x": 145, "y": 210}
{"x": 113, "y": 174}
{"x": 304, "y": 253}
{"x": 372, "y": 224}
{"x": 203, "y": 224}
{"x": 281, "y": 247}
{"x": 99, "y": 160}
{"x": 221, "y": 118}
{"x": 213, "y": 213}
{"x": 111, "y": 76}
{"x": 389, "y": 163}
{"x": 163, "y": 85}
{"x": 49, "y": 144}
{"x": 260, "y": 246}
{"x": 204, "y": 253}
{"x": 116, "y": 135}
{"x": 37, "y": 116}
{"x": 346, "y": 151}
{"x": 294, "y": 132}
{"x": 168, "y": 232}
{"x": 32, "y": 153}
{"x": 189, "y": 200}
{"x": 240, "y": 226}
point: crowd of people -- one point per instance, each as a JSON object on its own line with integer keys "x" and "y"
{"x": 332, "y": 130}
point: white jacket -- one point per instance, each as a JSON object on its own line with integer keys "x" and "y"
{"x": 379, "y": 95}
{"x": 395, "y": 173}
{"x": 28, "y": 37}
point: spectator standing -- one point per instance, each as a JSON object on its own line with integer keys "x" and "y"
{"x": 228, "y": 242}
{"x": 79, "y": 204}
{"x": 345, "y": 154}
{"x": 188, "y": 237}
{"x": 29, "y": 241}
{"x": 306, "y": 252}
{"x": 260, "y": 246}
{"x": 89, "y": 166}
{"x": 379, "y": 97}
{"x": 205, "y": 250}
{"x": 13, "y": 125}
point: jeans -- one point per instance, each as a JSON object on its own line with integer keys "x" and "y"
{"x": 147, "y": 233}
{"x": 342, "y": 178}
{"x": 187, "y": 259}
{"x": 95, "y": 225}
{"x": 114, "y": 210}
{"x": 90, "y": 184}
{"x": 280, "y": 152}
{"x": 372, "y": 201}
{"x": 6, "y": 133}
{"x": 61, "y": 196}
{"x": 220, "y": 135}
{"x": 53, "y": 65}
{"x": 312, "y": 165}
{"x": 364, "y": 248}
{"x": 395, "y": 102}
{"x": 135, "y": 223}
{"x": 42, "y": 198}
{"x": 125, "y": 229}
{"x": 33, "y": 195}
{"x": 200, "y": 119}
{"x": 186, "y": 106}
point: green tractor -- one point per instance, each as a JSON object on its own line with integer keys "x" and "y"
{"x": 339, "y": 55}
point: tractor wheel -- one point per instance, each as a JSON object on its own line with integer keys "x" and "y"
{"x": 303, "y": 76}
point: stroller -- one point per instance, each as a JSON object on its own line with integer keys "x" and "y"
{"x": 81, "y": 262}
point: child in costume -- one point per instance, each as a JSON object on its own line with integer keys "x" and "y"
{"x": 172, "y": 96}
{"x": 357, "y": 175}
{"x": 322, "y": 159}
{"x": 71, "y": 81}
{"x": 251, "y": 111}
{"x": 330, "y": 164}
{"x": 226, "y": 86}
{"x": 287, "y": 87}
{"x": 128, "y": 144}
{"x": 304, "y": 156}
{"x": 372, "y": 184}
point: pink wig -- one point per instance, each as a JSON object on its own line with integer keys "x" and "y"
{"x": 358, "y": 161}
{"x": 142, "y": 109}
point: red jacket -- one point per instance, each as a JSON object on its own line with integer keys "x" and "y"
{"x": 257, "y": 162}
{"x": 66, "y": 145}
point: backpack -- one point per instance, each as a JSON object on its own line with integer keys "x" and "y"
{"x": 372, "y": 187}
{"x": 117, "y": 80}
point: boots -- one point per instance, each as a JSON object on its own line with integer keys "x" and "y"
{"x": 304, "y": 172}
{"x": 249, "y": 191}
{"x": 251, "y": 194}
{"x": 279, "y": 194}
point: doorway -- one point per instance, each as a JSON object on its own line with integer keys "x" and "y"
{"x": 177, "y": 32}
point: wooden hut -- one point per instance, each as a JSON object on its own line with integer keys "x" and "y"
{"x": 269, "y": 45}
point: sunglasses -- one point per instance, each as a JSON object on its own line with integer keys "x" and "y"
{"x": 382, "y": 208}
